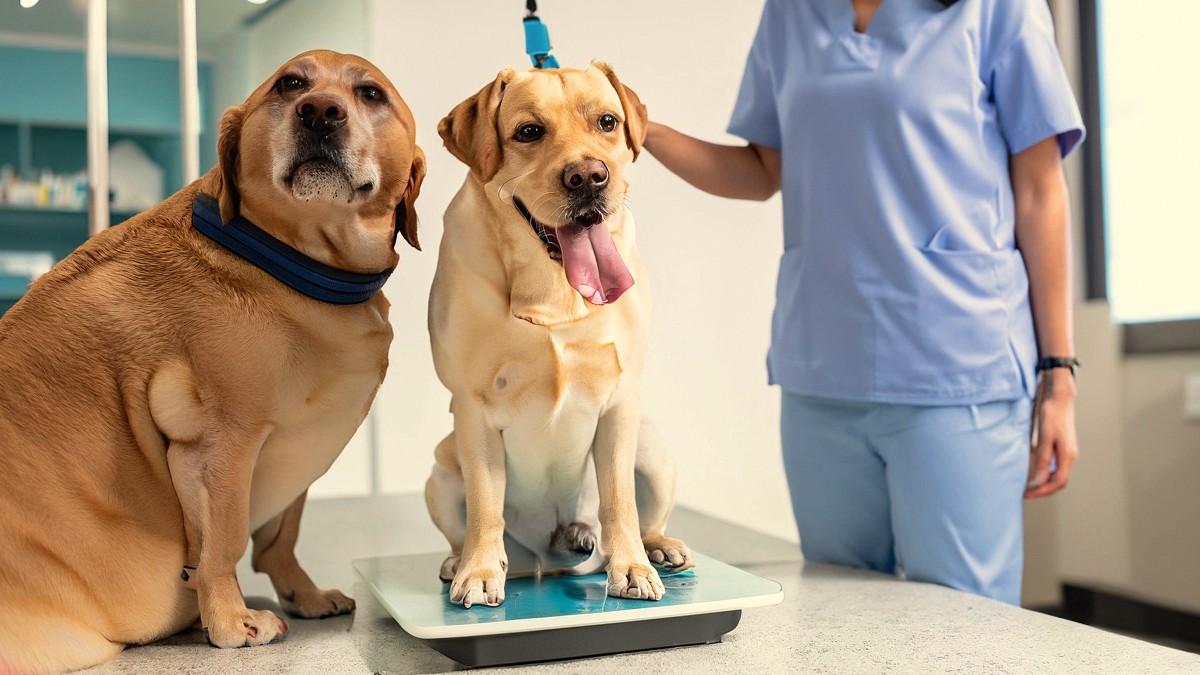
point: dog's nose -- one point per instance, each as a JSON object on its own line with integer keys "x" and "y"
{"x": 590, "y": 173}
{"x": 322, "y": 114}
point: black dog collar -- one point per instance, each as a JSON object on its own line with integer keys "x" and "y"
{"x": 298, "y": 271}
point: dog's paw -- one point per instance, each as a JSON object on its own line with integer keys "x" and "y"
{"x": 573, "y": 538}
{"x": 571, "y": 545}
{"x": 317, "y": 604}
{"x": 636, "y": 580}
{"x": 669, "y": 551}
{"x": 449, "y": 568}
{"x": 248, "y": 628}
{"x": 478, "y": 584}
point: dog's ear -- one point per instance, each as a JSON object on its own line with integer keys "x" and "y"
{"x": 470, "y": 132}
{"x": 406, "y": 213}
{"x": 636, "y": 118}
{"x": 227, "y": 157}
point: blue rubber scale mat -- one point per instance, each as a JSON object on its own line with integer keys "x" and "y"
{"x": 563, "y": 617}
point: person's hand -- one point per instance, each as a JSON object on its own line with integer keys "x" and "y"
{"x": 1053, "y": 448}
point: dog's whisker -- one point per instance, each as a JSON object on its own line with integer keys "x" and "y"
{"x": 500, "y": 188}
{"x": 626, "y": 202}
{"x": 538, "y": 230}
{"x": 538, "y": 200}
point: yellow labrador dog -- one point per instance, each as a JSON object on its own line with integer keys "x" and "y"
{"x": 163, "y": 397}
{"x": 539, "y": 332}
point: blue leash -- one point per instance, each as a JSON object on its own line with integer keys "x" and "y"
{"x": 537, "y": 39}
{"x": 298, "y": 271}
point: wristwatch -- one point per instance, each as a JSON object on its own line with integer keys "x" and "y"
{"x": 1068, "y": 362}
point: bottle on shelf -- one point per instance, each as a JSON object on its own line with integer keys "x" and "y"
{"x": 50, "y": 190}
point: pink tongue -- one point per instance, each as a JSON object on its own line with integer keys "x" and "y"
{"x": 593, "y": 266}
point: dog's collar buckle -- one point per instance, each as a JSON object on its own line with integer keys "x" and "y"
{"x": 291, "y": 267}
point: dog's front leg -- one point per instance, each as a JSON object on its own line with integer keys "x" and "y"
{"x": 275, "y": 554}
{"x": 212, "y": 479}
{"x": 655, "y": 471}
{"x": 481, "y": 570}
{"x": 630, "y": 574}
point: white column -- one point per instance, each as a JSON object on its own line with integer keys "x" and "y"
{"x": 97, "y": 114}
{"x": 189, "y": 92}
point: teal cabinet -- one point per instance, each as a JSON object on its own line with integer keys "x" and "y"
{"x": 43, "y": 122}
{"x": 50, "y": 86}
{"x": 55, "y": 231}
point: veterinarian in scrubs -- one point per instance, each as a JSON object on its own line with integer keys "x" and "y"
{"x": 924, "y": 291}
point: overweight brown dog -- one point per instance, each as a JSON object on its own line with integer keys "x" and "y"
{"x": 162, "y": 398}
{"x": 539, "y": 331}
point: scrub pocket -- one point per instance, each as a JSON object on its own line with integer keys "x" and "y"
{"x": 943, "y": 333}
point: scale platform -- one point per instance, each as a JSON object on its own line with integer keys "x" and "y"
{"x": 563, "y": 617}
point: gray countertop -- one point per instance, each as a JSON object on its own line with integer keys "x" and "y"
{"x": 832, "y": 619}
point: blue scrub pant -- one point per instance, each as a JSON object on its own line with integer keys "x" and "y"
{"x": 929, "y": 493}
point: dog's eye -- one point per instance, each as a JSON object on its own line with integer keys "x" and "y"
{"x": 291, "y": 83}
{"x": 607, "y": 122}
{"x": 370, "y": 93}
{"x": 528, "y": 133}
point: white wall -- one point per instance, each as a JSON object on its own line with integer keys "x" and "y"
{"x": 711, "y": 262}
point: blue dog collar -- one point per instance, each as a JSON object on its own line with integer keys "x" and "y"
{"x": 537, "y": 39}
{"x": 302, "y": 273}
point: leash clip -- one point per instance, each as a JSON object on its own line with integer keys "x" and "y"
{"x": 537, "y": 39}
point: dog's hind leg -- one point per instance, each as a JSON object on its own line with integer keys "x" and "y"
{"x": 49, "y": 643}
{"x": 275, "y": 554}
{"x": 654, "y": 475}
{"x": 575, "y": 544}
{"x": 446, "y": 499}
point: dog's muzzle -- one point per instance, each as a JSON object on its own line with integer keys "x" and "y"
{"x": 320, "y": 168}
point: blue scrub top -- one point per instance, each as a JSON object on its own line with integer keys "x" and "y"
{"x": 900, "y": 281}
